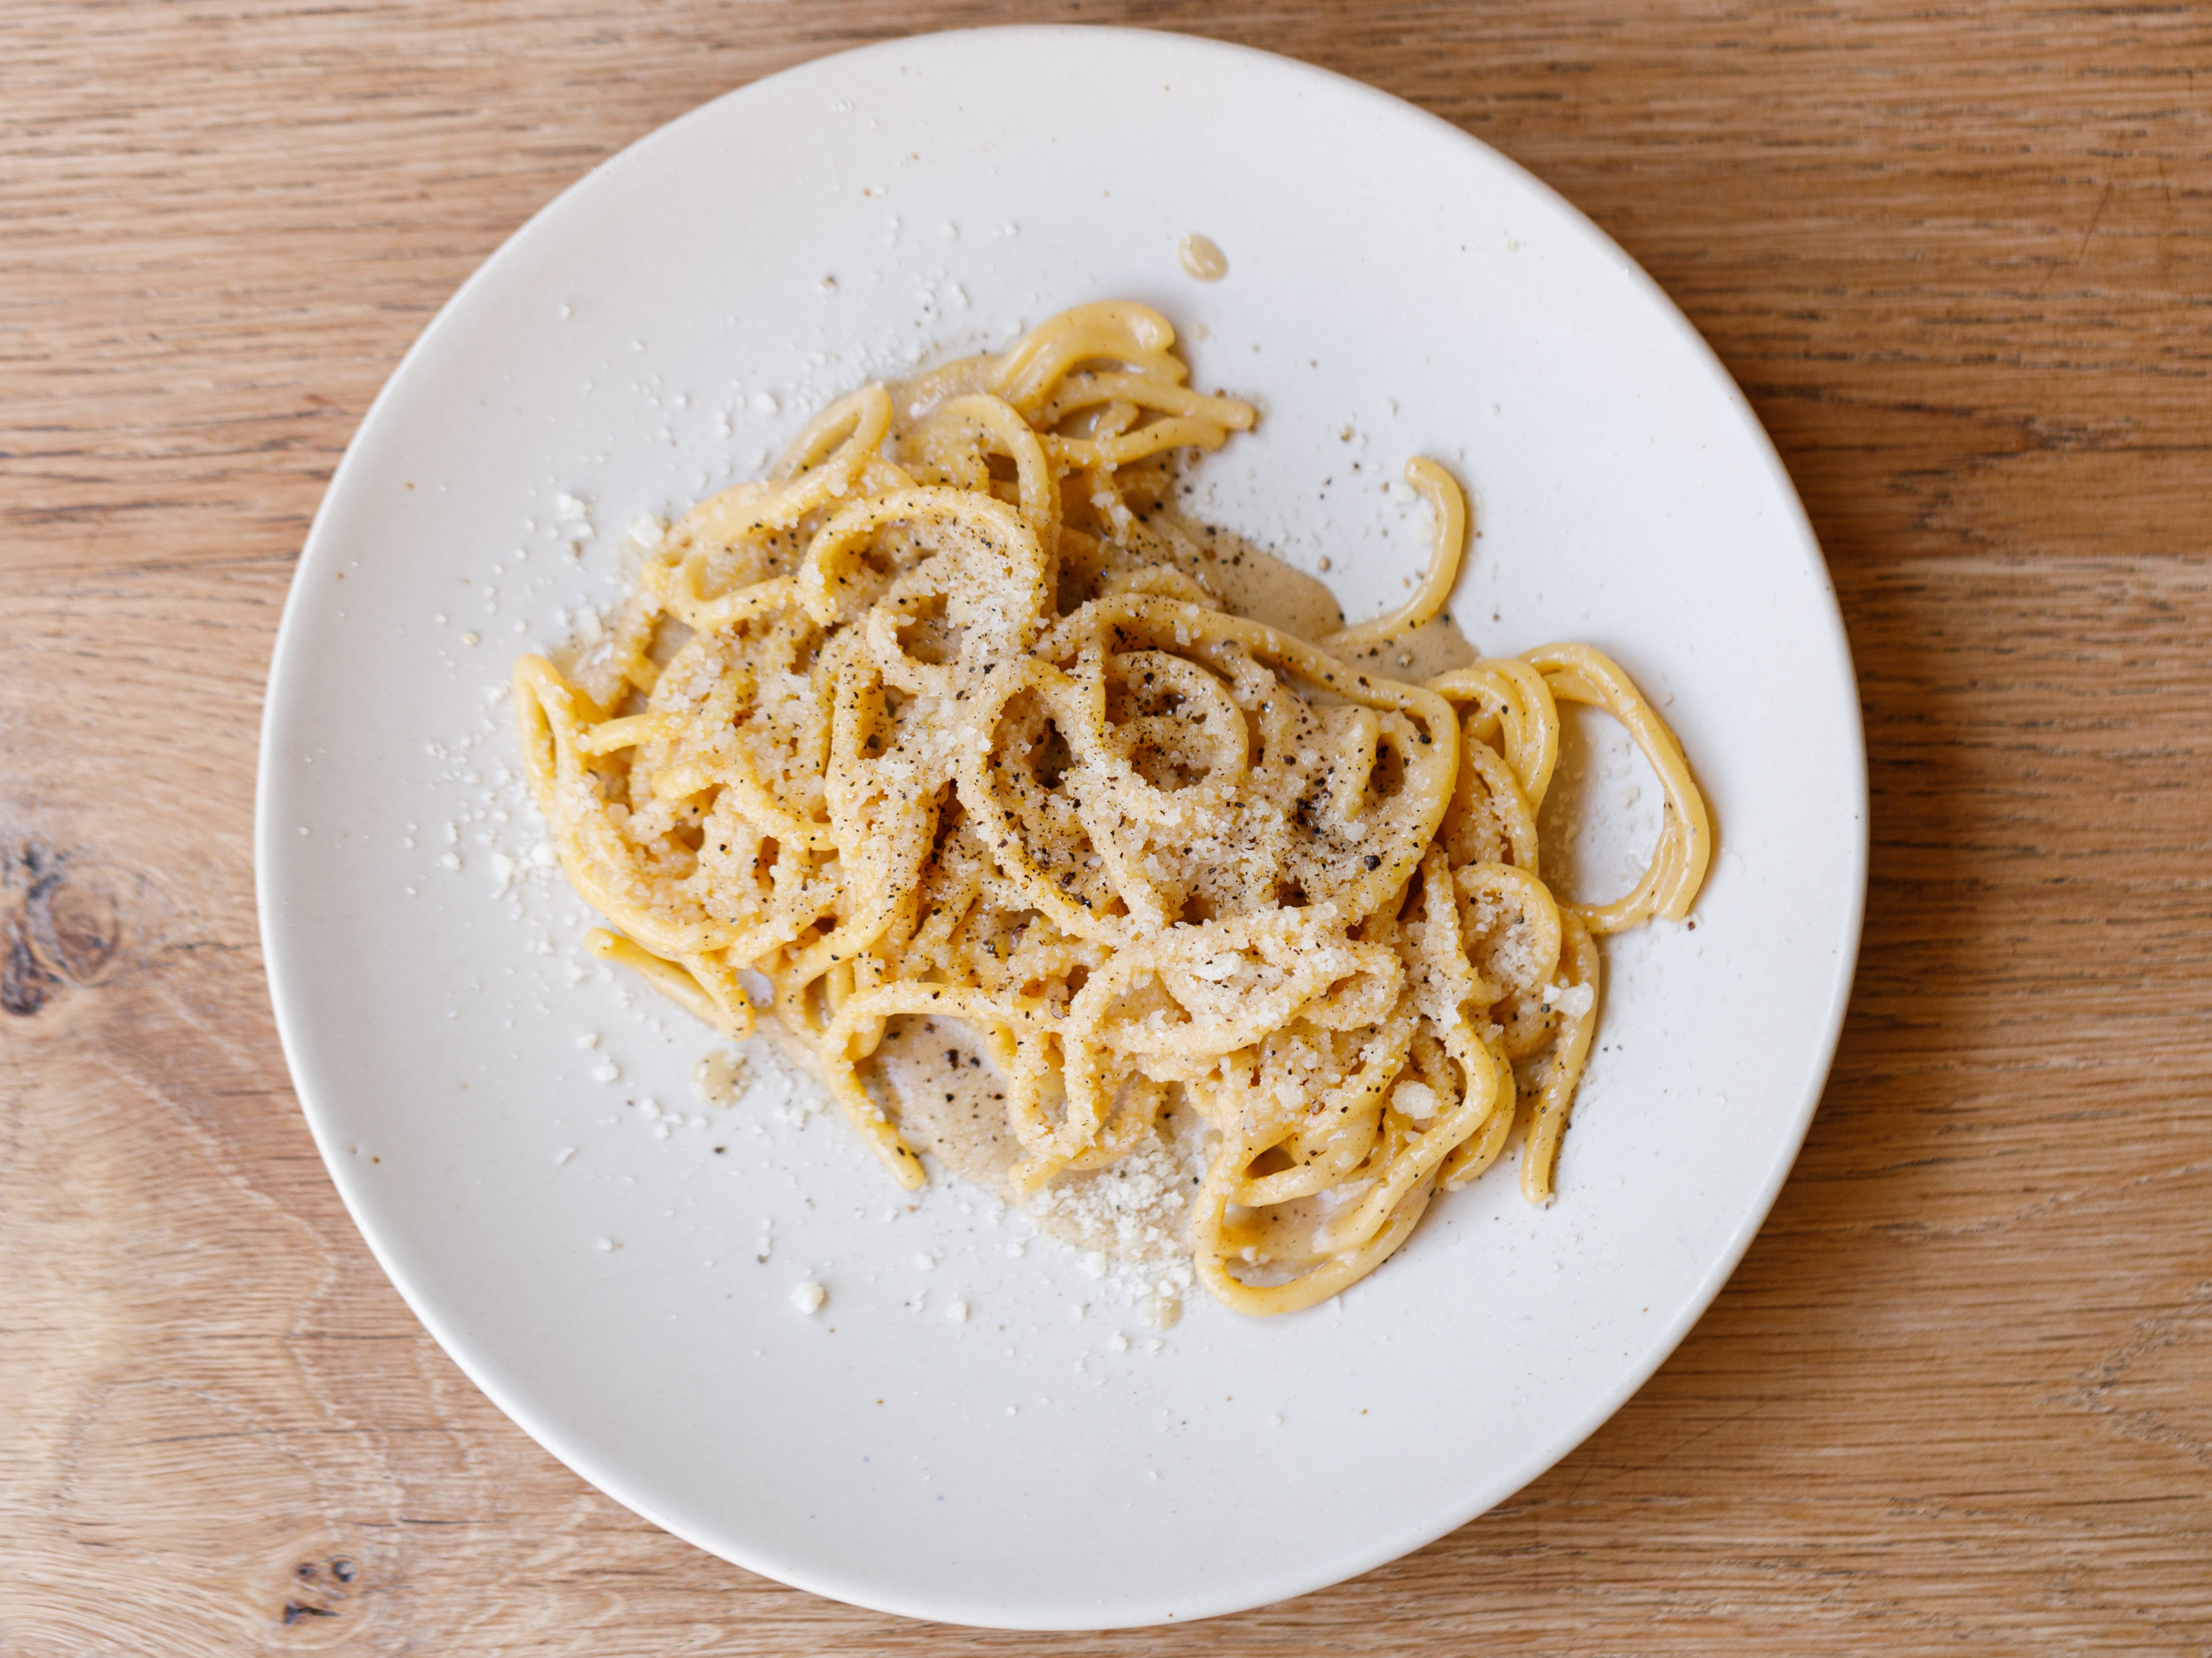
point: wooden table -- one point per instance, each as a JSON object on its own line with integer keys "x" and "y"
{"x": 1958, "y": 1399}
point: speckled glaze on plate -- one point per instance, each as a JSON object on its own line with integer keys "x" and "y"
{"x": 595, "y": 1263}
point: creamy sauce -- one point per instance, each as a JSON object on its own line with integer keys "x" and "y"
{"x": 1202, "y": 257}
{"x": 1252, "y": 582}
{"x": 950, "y": 1100}
{"x": 950, "y": 1104}
{"x": 1434, "y": 647}
{"x": 720, "y": 1077}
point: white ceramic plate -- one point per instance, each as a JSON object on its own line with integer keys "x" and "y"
{"x": 655, "y": 331}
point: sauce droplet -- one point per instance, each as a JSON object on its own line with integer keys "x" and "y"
{"x": 1201, "y": 256}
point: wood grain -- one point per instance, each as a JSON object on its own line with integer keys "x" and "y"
{"x": 1959, "y": 1396}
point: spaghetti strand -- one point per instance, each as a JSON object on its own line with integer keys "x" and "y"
{"x": 943, "y": 721}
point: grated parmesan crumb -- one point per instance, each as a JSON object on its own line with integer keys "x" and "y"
{"x": 1415, "y": 1101}
{"x": 1573, "y": 1000}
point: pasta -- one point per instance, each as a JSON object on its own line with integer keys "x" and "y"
{"x": 944, "y": 717}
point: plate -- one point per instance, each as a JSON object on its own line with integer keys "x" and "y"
{"x": 612, "y": 1260}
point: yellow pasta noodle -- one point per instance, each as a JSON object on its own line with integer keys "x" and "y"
{"x": 943, "y": 719}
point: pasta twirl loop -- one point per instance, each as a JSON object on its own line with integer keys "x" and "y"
{"x": 1576, "y": 673}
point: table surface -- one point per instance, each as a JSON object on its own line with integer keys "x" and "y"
{"x": 1957, "y": 1397}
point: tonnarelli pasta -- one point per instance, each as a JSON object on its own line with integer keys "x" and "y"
{"x": 944, "y": 719}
